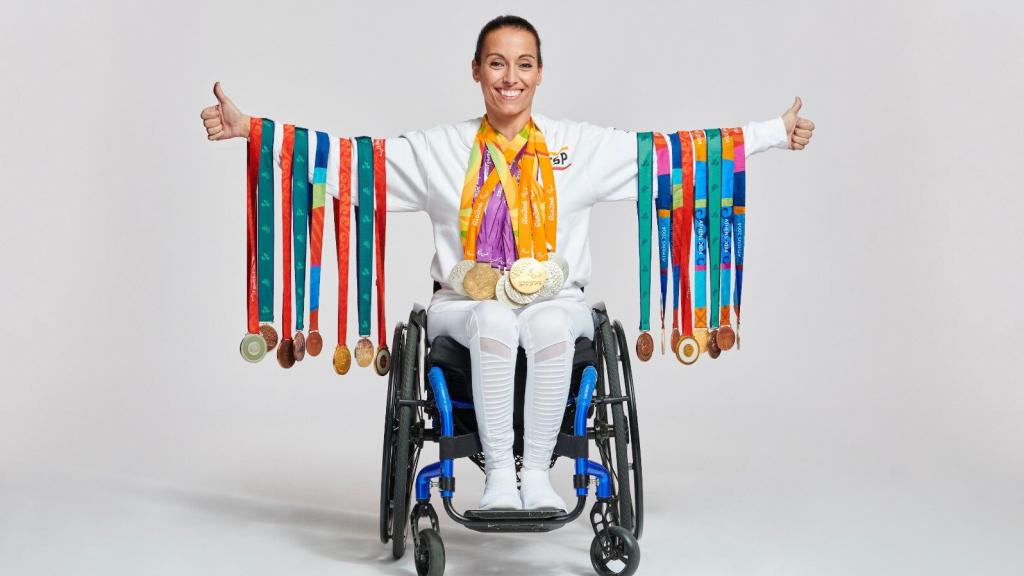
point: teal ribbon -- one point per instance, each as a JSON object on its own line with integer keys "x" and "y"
{"x": 300, "y": 218}
{"x": 265, "y": 217}
{"x": 364, "y": 231}
{"x": 644, "y": 200}
{"x": 715, "y": 219}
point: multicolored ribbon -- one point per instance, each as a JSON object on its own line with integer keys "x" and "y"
{"x": 677, "y": 228}
{"x": 663, "y": 204}
{"x": 739, "y": 218}
{"x": 323, "y": 151}
{"x": 714, "y": 136}
{"x": 682, "y": 222}
{"x": 700, "y": 231}
{"x": 726, "y": 215}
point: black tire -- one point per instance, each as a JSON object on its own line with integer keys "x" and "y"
{"x": 430, "y": 554}
{"x": 622, "y": 481}
{"x": 387, "y": 461}
{"x": 616, "y": 544}
{"x": 634, "y": 433}
{"x": 406, "y": 450}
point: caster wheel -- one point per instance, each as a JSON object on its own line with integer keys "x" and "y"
{"x": 615, "y": 552}
{"x": 430, "y": 554}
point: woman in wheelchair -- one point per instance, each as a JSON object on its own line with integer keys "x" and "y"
{"x": 512, "y": 256}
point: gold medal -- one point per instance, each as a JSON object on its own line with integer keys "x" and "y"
{"x": 527, "y": 275}
{"x": 253, "y": 347}
{"x": 314, "y": 343}
{"x": 286, "y": 353}
{"x": 687, "y": 350}
{"x": 342, "y": 359}
{"x": 382, "y": 361}
{"x": 300, "y": 346}
{"x": 269, "y": 335}
{"x": 364, "y": 352}
{"x": 701, "y": 336}
{"x": 479, "y": 283}
{"x": 725, "y": 338}
{"x": 644, "y": 346}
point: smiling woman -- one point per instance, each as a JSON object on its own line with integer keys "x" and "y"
{"x": 511, "y": 237}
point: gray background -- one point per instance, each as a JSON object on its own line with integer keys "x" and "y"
{"x": 871, "y": 424}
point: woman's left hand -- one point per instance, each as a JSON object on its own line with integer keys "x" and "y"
{"x": 799, "y": 129}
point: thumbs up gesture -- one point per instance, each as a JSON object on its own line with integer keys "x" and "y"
{"x": 799, "y": 129}
{"x": 224, "y": 120}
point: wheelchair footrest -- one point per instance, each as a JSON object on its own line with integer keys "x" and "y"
{"x": 514, "y": 520}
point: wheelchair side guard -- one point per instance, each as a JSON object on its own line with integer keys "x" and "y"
{"x": 584, "y": 467}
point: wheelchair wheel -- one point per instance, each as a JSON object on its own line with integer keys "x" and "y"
{"x": 612, "y": 548}
{"x": 634, "y": 432}
{"x": 407, "y": 448}
{"x": 430, "y": 553}
{"x": 387, "y": 467}
{"x": 617, "y": 460}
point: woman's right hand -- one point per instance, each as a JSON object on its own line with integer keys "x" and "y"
{"x": 224, "y": 120}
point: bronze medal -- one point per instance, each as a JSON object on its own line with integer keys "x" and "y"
{"x": 479, "y": 283}
{"x": 300, "y": 346}
{"x": 644, "y": 346}
{"x": 713, "y": 350}
{"x": 314, "y": 343}
{"x": 342, "y": 359}
{"x": 701, "y": 336}
{"x": 725, "y": 338}
{"x": 527, "y": 275}
{"x": 364, "y": 352}
{"x": 674, "y": 341}
{"x": 286, "y": 353}
{"x": 382, "y": 361}
{"x": 253, "y": 347}
{"x": 687, "y": 350}
{"x": 269, "y": 335}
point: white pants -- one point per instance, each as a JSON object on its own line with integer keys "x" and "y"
{"x": 492, "y": 332}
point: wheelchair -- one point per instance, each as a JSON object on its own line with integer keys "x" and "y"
{"x": 601, "y": 407}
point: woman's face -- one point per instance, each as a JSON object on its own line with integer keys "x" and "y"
{"x": 508, "y": 72}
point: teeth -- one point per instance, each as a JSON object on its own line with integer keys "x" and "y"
{"x": 511, "y": 93}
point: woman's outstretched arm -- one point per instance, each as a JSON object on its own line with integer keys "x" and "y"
{"x": 406, "y": 179}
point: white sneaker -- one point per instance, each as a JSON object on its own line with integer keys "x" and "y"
{"x": 537, "y": 492}
{"x": 500, "y": 492}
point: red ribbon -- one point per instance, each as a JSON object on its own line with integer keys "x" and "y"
{"x": 252, "y": 177}
{"x": 380, "y": 221}
{"x": 342, "y": 227}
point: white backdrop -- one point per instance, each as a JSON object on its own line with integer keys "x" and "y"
{"x": 870, "y": 425}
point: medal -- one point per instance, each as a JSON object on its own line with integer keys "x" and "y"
{"x": 252, "y": 347}
{"x": 686, "y": 347}
{"x": 726, "y": 338}
{"x": 480, "y": 281}
{"x": 458, "y": 275}
{"x": 342, "y": 227}
{"x": 501, "y": 292}
{"x": 644, "y": 142}
{"x": 287, "y": 353}
{"x": 382, "y": 361}
{"x": 739, "y": 219}
{"x": 663, "y": 204}
{"x": 265, "y": 235}
{"x": 364, "y": 248}
{"x": 313, "y": 342}
{"x": 527, "y": 275}
{"x": 301, "y": 196}
{"x": 700, "y": 228}
{"x": 554, "y": 281}
{"x": 713, "y": 350}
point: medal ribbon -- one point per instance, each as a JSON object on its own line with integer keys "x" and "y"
{"x": 287, "y": 158}
{"x": 727, "y": 183}
{"x": 739, "y": 214}
{"x": 643, "y": 214}
{"x": 700, "y": 227}
{"x": 252, "y": 178}
{"x": 364, "y": 232}
{"x": 265, "y": 239}
{"x": 323, "y": 150}
{"x": 380, "y": 216}
{"x": 714, "y": 136}
{"x": 342, "y": 229}
{"x": 300, "y": 220}
{"x": 682, "y": 221}
{"x": 663, "y": 203}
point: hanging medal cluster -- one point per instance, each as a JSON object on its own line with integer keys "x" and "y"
{"x": 302, "y": 224}
{"x": 700, "y": 203}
